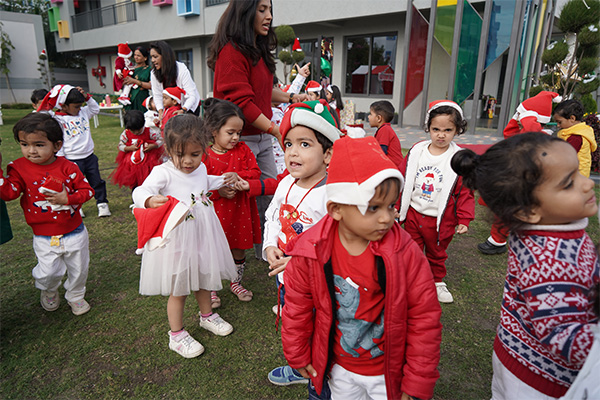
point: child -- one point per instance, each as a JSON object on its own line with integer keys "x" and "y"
{"x": 360, "y": 301}
{"x": 382, "y": 113}
{"x": 308, "y": 131}
{"x": 334, "y": 98}
{"x": 193, "y": 256}
{"x": 569, "y": 118}
{"x": 140, "y": 150}
{"x": 37, "y": 96}
{"x": 78, "y": 145}
{"x": 236, "y": 210}
{"x": 151, "y": 115}
{"x": 531, "y": 182}
{"x": 172, "y": 97}
{"x": 123, "y": 67}
{"x": 313, "y": 90}
{"x": 435, "y": 204}
{"x": 52, "y": 190}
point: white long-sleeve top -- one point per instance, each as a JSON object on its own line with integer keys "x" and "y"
{"x": 77, "y": 136}
{"x": 184, "y": 81}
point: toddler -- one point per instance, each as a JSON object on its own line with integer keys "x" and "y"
{"x": 334, "y": 98}
{"x": 52, "y": 190}
{"x": 172, "y": 97}
{"x": 37, "y": 96}
{"x": 380, "y": 116}
{"x": 531, "y": 182}
{"x": 313, "y": 90}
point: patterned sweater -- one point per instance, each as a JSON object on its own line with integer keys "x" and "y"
{"x": 547, "y": 312}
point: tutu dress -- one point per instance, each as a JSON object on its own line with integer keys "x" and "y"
{"x": 196, "y": 254}
{"x": 133, "y": 167}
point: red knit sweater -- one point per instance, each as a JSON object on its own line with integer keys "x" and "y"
{"x": 249, "y": 86}
{"x": 25, "y": 177}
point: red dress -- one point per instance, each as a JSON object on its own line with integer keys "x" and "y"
{"x": 132, "y": 174}
{"x": 239, "y": 215}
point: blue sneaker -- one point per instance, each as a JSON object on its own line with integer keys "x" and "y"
{"x": 286, "y": 375}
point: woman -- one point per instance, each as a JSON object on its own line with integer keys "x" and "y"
{"x": 141, "y": 78}
{"x": 168, "y": 72}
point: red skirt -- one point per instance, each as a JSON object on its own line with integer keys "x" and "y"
{"x": 132, "y": 175}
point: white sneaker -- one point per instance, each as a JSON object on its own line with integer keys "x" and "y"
{"x": 79, "y": 307}
{"x": 103, "y": 210}
{"x": 275, "y": 307}
{"x": 81, "y": 213}
{"x": 443, "y": 294}
{"x": 185, "y": 345}
{"x": 49, "y": 300}
{"x": 216, "y": 325}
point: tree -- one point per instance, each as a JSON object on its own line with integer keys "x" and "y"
{"x": 286, "y": 38}
{"x": 6, "y": 47}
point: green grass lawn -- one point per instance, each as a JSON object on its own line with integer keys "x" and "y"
{"x": 120, "y": 348}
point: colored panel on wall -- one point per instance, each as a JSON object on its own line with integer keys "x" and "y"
{"x": 468, "y": 52}
{"x": 503, "y": 13}
{"x": 53, "y": 18}
{"x": 444, "y": 24}
{"x": 416, "y": 61}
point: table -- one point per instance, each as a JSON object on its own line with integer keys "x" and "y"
{"x": 112, "y": 107}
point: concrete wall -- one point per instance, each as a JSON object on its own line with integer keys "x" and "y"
{"x": 27, "y": 36}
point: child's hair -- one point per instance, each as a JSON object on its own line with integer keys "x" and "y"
{"x": 337, "y": 96}
{"x": 38, "y": 95}
{"x": 457, "y": 119}
{"x": 386, "y": 186}
{"x": 74, "y": 97}
{"x": 183, "y": 129}
{"x": 323, "y": 140}
{"x": 506, "y": 175}
{"x": 217, "y": 112}
{"x": 570, "y": 107}
{"x": 39, "y": 122}
{"x": 385, "y": 109}
{"x": 134, "y": 120}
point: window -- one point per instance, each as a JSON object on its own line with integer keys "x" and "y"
{"x": 370, "y": 64}
{"x": 185, "y": 56}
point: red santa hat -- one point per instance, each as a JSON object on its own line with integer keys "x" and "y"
{"x": 155, "y": 224}
{"x": 55, "y": 98}
{"x": 175, "y": 93}
{"x": 296, "y": 46}
{"x": 329, "y": 88}
{"x": 146, "y": 102}
{"x": 138, "y": 156}
{"x": 315, "y": 114}
{"x": 538, "y": 106}
{"x": 313, "y": 86}
{"x": 357, "y": 167}
{"x": 440, "y": 103}
{"x": 123, "y": 50}
{"x": 429, "y": 175}
{"x": 285, "y": 88}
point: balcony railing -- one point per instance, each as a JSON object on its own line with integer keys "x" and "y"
{"x": 210, "y": 3}
{"x": 105, "y": 16}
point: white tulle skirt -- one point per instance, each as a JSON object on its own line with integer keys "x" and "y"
{"x": 196, "y": 256}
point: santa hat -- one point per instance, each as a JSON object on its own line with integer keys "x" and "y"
{"x": 430, "y": 175}
{"x": 138, "y": 156}
{"x": 296, "y": 46}
{"x": 55, "y": 98}
{"x": 329, "y": 88}
{"x": 123, "y": 50}
{"x": 285, "y": 88}
{"x": 155, "y": 224}
{"x": 538, "y": 106}
{"x": 315, "y": 114}
{"x": 146, "y": 102}
{"x": 175, "y": 93}
{"x": 357, "y": 167}
{"x": 313, "y": 86}
{"x": 53, "y": 185}
{"x": 440, "y": 103}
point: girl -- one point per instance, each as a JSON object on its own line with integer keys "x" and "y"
{"x": 139, "y": 151}
{"x": 334, "y": 98}
{"x": 195, "y": 256}
{"x": 236, "y": 210}
{"x": 435, "y": 204}
{"x": 532, "y": 185}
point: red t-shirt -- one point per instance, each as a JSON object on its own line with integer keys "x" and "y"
{"x": 359, "y": 336}
{"x": 390, "y": 144}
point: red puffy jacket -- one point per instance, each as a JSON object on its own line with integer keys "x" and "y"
{"x": 413, "y": 331}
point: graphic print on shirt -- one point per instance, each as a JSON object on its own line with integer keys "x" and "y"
{"x": 75, "y": 127}
{"x": 292, "y": 221}
{"x": 356, "y": 333}
{"x": 428, "y": 180}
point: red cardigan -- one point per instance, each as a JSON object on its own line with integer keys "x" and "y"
{"x": 249, "y": 86}
{"x": 413, "y": 331}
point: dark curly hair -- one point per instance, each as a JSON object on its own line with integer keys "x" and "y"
{"x": 217, "y": 112}
{"x": 182, "y": 130}
{"x": 459, "y": 121}
{"x": 506, "y": 175}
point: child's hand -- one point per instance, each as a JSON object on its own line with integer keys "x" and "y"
{"x": 309, "y": 372}
{"x": 133, "y": 147}
{"x": 227, "y": 192}
{"x": 273, "y": 254}
{"x": 80, "y": 89}
{"x": 304, "y": 71}
{"x": 58, "y": 198}
{"x": 230, "y": 178}
{"x": 156, "y": 122}
{"x": 460, "y": 229}
{"x": 150, "y": 146}
{"x": 279, "y": 265}
{"x": 155, "y": 201}
{"x": 241, "y": 185}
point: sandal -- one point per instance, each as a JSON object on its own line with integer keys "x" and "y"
{"x": 215, "y": 301}
{"x": 242, "y": 293}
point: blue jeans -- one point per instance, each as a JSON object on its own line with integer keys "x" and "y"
{"x": 281, "y": 290}
{"x": 89, "y": 167}
{"x": 325, "y": 392}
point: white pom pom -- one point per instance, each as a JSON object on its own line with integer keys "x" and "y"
{"x": 557, "y": 99}
{"x": 319, "y": 108}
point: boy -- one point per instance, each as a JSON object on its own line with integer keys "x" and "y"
{"x": 37, "y": 96}
{"x": 53, "y": 190}
{"x": 569, "y": 118}
{"x": 361, "y": 305}
{"x": 308, "y": 131}
{"x": 382, "y": 113}
{"x": 78, "y": 145}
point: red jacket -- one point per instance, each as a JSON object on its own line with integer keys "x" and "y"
{"x": 413, "y": 331}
